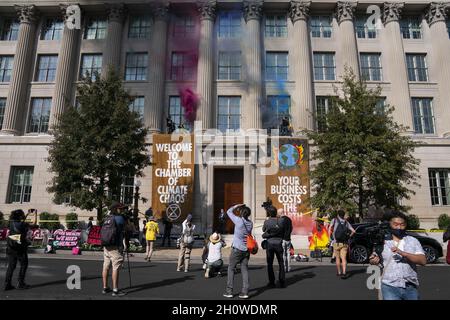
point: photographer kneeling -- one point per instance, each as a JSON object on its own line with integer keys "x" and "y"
{"x": 399, "y": 258}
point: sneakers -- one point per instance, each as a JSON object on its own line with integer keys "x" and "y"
{"x": 118, "y": 293}
{"x": 186, "y": 270}
{"x": 207, "y": 273}
{"x": 344, "y": 276}
{"x": 106, "y": 290}
{"x": 271, "y": 285}
{"x": 178, "y": 270}
{"x": 228, "y": 295}
{"x": 243, "y": 295}
{"x": 8, "y": 287}
{"x": 23, "y": 286}
{"x": 204, "y": 266}
{"x": 146, "y": 258}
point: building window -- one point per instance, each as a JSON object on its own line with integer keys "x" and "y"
{"x": 276, "y": 26}
{"x": 6, "y": 65}
{"x": 2, "y": 111}
{"x": 380, "y": 106}
{"x": 321, "y": 26}
{"x": 127, "y": 190}
{"x": 138, "y": 106}
{"x": 53, "y": 29}
{"x": 9, "y": 30}
{"x": 140, "y": 27}
{"x": 46, "y": 68}
{"x": 136, "y": 66}
{"x": 370, "y": 66}
{"x": 229, "y": 24}
{"x": 363, "y": 31}
{"x": 439, "y": 186}
{"x": 229, "y": 114}
{"x": 276, "y": 66}
{"x": 95, "y": 29}
{"x": 423, "y": 115}
{"x": 183, "y": 66}
{"x": 176, "y": 112}
{"x": 90, "y": 63}
{"x": 183, "y": 26}
{"x": 40, "y": 115}
{"x": 417, "y": 68}
{"x": 324, "y": 66}
{"x": 411, "y": 28}
{"x": 279, "y": 107}
{"x": 230, "y": 65}
{"x": 21, "y": 183}
{"x": 323, "y": 105}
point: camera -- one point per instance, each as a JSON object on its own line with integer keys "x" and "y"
{"x": 376, "y": 236}
{"x": 266, "y": 204}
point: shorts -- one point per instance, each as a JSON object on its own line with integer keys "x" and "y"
{"x": 341, "y": 249}
{"x": 111, "y": 255}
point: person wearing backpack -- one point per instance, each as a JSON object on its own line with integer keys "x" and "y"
{"x": 17, "y": 249}
{"x": 243, "y": 227}
{"x": 112, "y": 235}
{"x": 274, "y": 233}
{"x": 186, "y": 244}
{"x": 342, "y": 231}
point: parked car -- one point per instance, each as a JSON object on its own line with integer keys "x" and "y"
{"x": 361, "y": 244}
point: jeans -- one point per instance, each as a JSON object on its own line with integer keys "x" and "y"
{"x": 242, "y": 257}
{"x": 287, "y": 255}
{"x": 215, "y": 266}
{"x": 13, "y": 256}
{"x": 275, "y": 249}
{"x": 395, "y": 293}
{"x": 166, "y": 235}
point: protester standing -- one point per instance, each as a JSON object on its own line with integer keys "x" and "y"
{"x": 222, "y": 221}
{"x": 400, "y": 257}
{"x": 167, "y": 230}
{"x": 152, "y": 229}
{"x": 239, "y": 253}
{"x": 286, "y": 222}
{"x": 186, "y": 244}
{"x": 274, "y": 233}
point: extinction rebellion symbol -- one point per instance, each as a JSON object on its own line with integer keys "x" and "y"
{"x": 173, "y": 212}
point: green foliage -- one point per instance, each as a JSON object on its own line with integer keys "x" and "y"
{"x": 443, "y": 221}
{"x": 96, "y": 145}
{"x": 72, "y": 216}
{"x": 49, "y": 225}
{"x": 413, "y": 222}
{"x": 364, "y": 159}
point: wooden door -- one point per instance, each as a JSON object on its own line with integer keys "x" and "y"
{"x": 234, "y": 194}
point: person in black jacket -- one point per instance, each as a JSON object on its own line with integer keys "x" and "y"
{"x": 273, "y": 233}
{"x": 17, "y": 249}
{"x": 286, "y": 223}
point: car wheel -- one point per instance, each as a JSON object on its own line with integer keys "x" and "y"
{"x": 430, "y": 253}
{"x": 359, "y": 254}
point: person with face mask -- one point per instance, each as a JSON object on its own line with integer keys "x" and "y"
{"x": 400, "y": 257}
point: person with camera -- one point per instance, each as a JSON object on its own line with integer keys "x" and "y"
{"x": 400, "y": 256}
{"x": 239, "y": 252}
{"x": 342, "y": 232}
{"x": 112, "y": 236}
{"x": 214, "y": 260}
{"x": 17, "y": 248}
{"x": 186, "y": 244}
{"x": 273, "y": 235}
{"x": 286, "y": 222}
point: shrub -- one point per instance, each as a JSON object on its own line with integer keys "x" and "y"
{"x": 443, "y": 221}
{"x": 413, "y": 222}
{"x": 49, "y": 217}
{"x": 72, "y": 216}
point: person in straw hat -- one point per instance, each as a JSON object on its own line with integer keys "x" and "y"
{"x": 214, "y": 260}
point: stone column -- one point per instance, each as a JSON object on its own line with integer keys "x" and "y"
{"x": 252, "y": 16}
{"x": 393, "y": 52}
{"x": 15, "y": 111}
{"x": 154, "y": 110}
{"x": 347, "y": 40}
{"x": 65, "y": 70}
{"x": 302, "y": 106}
{"x": 111, "y": 54}
{"x": 205, "y": 67}
{"x": 440, "y": 63}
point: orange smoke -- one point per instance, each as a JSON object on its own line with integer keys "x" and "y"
{"x": 319, "y": 237}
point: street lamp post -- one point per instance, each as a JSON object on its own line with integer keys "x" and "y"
{"x": 137, "y": 185}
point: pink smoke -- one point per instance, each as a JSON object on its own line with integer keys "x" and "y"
{"x": 189, "y": 102}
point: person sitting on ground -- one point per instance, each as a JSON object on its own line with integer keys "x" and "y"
{"x": 214, "y": 260}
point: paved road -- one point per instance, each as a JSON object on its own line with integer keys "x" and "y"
{"x": 160, "y": 280}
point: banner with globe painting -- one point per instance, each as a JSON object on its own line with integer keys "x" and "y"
{"x": 289, "y": 188}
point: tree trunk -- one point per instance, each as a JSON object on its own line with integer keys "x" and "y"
{"x": 361, "y": 192}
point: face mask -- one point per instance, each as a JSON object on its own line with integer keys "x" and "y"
{"x": 399, "y": 233}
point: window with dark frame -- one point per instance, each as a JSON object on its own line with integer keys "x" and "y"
{"x": 20, "y": 184}
{"x": 52, "y": 29}
{"x": 39, "y": 115}
{"x": 46, "y": 71}
{"x": 439, "y": 186}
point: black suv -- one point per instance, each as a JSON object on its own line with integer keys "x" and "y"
{"x": 361, "y": 244}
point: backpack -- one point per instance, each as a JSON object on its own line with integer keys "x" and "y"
{"x": 341, "y": 234}
{"x": 252, "y": 245}
{"x": 108, "y": 233}
{"x": 188, "y": 235}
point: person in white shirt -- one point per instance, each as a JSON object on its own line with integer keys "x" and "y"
{"x": 214, "y": 260}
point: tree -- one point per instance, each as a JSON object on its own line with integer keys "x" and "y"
{"x": 96, "y": 145}
{"x": 364, "y": 159}
{"x": 73, "y": 218}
